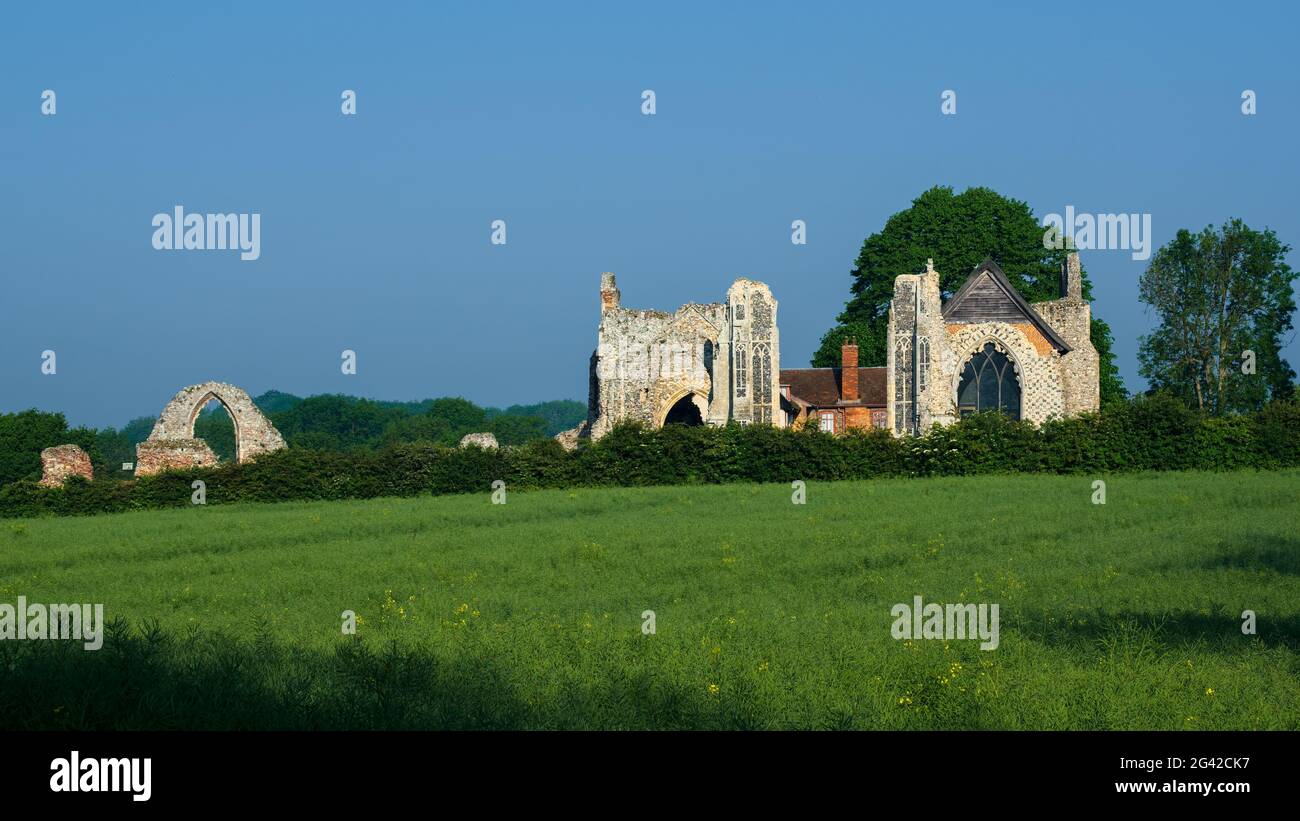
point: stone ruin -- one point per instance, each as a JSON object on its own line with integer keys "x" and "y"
{"x": 483, "y": 440}
{"x": 172, "y": 444}
{"x": 61, "y": 463}
{"x": 703, "y": 364}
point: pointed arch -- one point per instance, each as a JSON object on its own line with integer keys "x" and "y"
{"x": 254, "y": 433}
{"x": 989, "y": 379}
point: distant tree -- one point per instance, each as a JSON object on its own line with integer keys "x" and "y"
{"x": 341, "y": 422}
{"x": 215, "y": 427}
{"x": 275, "y": 402}
{"x": 461, "y": 414}
{"x": 1218, "y": 294}
{"x": 516, "y": 430}
{"x": 24, "y": 435}
{"x": 344, "y": 421}
{"x": 560, "y": 414}
{"x": 117, "y": 447}
{"x": 422, "y": 428}
{"x": 957, "y": 231}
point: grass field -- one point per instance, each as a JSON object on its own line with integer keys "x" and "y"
{"x": 768, "y": 614}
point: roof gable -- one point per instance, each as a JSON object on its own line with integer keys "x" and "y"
{"x": 824, "y": 387}
{"x": 691, "y": 317}
{"x": 988, "y": 296}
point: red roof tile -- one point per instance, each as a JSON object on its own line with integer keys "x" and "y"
{"x": 821, "y": 387}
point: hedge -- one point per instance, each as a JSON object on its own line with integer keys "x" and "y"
{"x": 1149, "y": 433}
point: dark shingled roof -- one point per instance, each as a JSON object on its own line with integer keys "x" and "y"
{"x": 1000, "y": 280}
{"x": 821, "y": 387}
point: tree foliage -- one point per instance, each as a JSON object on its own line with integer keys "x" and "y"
{"x": 957, "y": 231}
{"x": 25, "y": 434}
{"x": 1219, "y": 294}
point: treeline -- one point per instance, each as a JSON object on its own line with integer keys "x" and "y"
{"x": 1148, "y": 433}
{"x": 333, "y": 422}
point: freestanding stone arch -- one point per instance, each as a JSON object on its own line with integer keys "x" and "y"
{"x": 172, "y": 444}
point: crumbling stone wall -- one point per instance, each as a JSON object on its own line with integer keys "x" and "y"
{"x": 487, "y": 441}
{"x": 172, "y": 444}
{"x": 156, "y": 455}
{"x": 721, "y": 358}
{"x": 58, "y": 464}
{"x": 1071, "y": 317}
{"x": 916, "y": 319}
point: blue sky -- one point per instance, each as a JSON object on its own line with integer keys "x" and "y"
{"x": 375, "y": 228}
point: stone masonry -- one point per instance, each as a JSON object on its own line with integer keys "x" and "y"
{"x": 1071, "y": 316}
{"x": 156, "y": 455}
{"x": 172, "y": 445}
{"x": 486, "y": 441}
{"x": 930, "y": 341}
{"x": 705, "y": 363}
{"x": 58, "y": 464}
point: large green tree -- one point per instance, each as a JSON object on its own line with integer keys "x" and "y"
{"x": 957, "y": 231}
{"x": 25, "y": 434}
{"x": 1219, "y": 294}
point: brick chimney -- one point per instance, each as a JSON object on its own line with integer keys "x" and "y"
{"x": 849, "y": 370}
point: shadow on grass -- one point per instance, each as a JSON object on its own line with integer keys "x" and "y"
{"x": 146, "y": 679}
{"x": 1127, "y": 631}
{"x": 1263, "y": 552}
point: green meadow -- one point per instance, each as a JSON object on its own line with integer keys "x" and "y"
{"x": 767, "y": 614}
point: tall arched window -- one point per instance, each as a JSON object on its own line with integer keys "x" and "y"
{"x": 742, "y": 379}
{"x": 762, "y": 383}
{"x": 989, "y": 383}
{"x": 923, "y": 366}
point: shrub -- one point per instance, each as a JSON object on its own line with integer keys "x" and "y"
{"x": 1147, "y": 433}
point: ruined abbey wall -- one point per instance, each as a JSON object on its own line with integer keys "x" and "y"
{"x": 61, "y": 463}
{"x": 172, "y": 445}
{"x": 705, "y": 362}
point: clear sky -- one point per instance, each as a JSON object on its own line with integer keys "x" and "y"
{"x": 375, "y": 228}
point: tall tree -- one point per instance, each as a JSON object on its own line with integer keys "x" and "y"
{"x": 1223, "y": 298}
{"x": 957, "y": 231}
{"x": 25, "y": 434}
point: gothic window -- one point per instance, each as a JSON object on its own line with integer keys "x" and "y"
{"x": 740, "y": 311}
{"x": 761, "y": 321}
{"x": 923, "y": 354}
{"x": 762, "y": 384}
{"x": 989, "y": 382}
{"x": 902, "y": 372}
{"x": 741, "y": 372}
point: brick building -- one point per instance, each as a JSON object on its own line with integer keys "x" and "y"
{"x": 836, "y": 399}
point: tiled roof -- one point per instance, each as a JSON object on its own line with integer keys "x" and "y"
{"x": 822, "y": 387}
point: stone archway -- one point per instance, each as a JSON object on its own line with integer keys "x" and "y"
{"x": 172, "y": 444}
{"x": 989, "y": 380}
{"x": 1037, "y": 369}
{"x": 686, "y": 408}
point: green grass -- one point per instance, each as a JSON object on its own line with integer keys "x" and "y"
{"x": 768, "y": 614}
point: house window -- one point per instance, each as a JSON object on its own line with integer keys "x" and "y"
{"x": 828, "y": 422}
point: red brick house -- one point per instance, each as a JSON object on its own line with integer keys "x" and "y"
{"x": 839, "y": 399}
